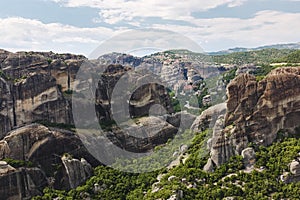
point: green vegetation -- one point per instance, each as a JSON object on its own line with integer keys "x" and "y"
{"x": 18, "y": 163}
{"x": 228, "y": 180}
{"x": 174, "y": 101}
{"x": 293, "y": 57}
{"x": 228, "y": 76}
{"x": 263, "y": 70}
{"x": 4, "y": 76}
{"x": 49, "y": 60}
{"x": 20, "y": 79}
{"x": 56, "y": 125}
{"x": 264, "y": 56}
{"x": 69, "y": 92}
{"x": 107, "y": 125}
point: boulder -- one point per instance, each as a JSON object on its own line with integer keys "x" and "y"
{"x": 295, "y": 168}
{"x": 248, "y": 155}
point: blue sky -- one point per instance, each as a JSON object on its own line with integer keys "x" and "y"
{"x": 79, "y": 26}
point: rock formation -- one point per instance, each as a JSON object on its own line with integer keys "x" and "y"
{"x": 208, "y": 118}
{"x": 44, "y": 147}
{"x": 248, "y": 155}
{"x": 21, "y": 183}
{"x": 78, "y": 171}
{"x": 256, "y": 111}
{"x": 32, "y": 86}
{"x": 294, "y": 175}
{"x": 36, "y": 87}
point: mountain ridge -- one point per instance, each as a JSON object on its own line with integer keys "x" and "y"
{"x": 244, "y": 49}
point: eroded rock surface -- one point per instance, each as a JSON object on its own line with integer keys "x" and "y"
{"x": 21, "y": 183}
{"x": 78, "y": 171}
{"x": 44, "y": 147}
{"x": 256, "y": 111}
{"x": 32, "y": 86}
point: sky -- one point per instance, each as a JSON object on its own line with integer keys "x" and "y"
{"x": 80, "y": 26}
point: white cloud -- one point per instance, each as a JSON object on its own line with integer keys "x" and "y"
{"x": 126, "y": 10}
{"x": 266, "y": 27}
{"x": 27, "y": 34}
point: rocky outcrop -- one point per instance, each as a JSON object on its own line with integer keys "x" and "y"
{"x": 248, "y": 68}
{"x": 295, "y": 167}
{"x": 139, "y": 137}
{"x": 78, "y": 171}
{"x": 183, "y": 119}
{"x": 44, "y": 147}
{"x": 143, "y": 95}
{"x": 248, "y": 155}
{"x": 294, "y": 174}
{"x": 43, "y": 103}
{"x": 208, "y": 118}
{"x": 6, "y": 108}
{"x": 256, "y": 111}
{"x": 32, "y": 86}
{"x": 21, "y": 183}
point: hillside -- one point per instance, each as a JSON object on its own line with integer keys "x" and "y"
{"x": 240, "y": 49}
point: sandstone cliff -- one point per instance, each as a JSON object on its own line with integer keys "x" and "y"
{"x": 44, "y": 147}
{"x": 78, "y": 171}
{"x": 256, "y": 111}
{"x": 32, "y": 86}
{"x": 22, "y": 183}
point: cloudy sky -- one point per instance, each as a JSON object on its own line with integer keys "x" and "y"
{"x": 79, "y": 26}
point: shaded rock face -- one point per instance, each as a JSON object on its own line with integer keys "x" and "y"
{"x": 208, "y": 118}
{"x": 44, "y": 147}
{"x": 143, "y": 96}
{"x": 146, "y": 134}
{"x": 141, "y": 136}
{"x": 37, "y": 98}
{"x": 256, "y": 111}
{"x": 6, "y": 112}
{"x": 31, "y": 86}
{"x": 78, "y": 171}
{"x": 21, "y": 183}
{"x": 183, "y": 119}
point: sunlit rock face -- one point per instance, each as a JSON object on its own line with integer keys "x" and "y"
{"x": 256, "y": 111}
{"x": 78, "y": 171}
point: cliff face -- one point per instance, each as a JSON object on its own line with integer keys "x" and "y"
{"x": 22, "y": 183}
{"x": 256, "y": 111}
{"x": 6, "y": 108}
{"x": 32, "y": 86}
{"x": 44, "y": 147}
{"x": 143, "y": 96}
{"x": 78, "y": 171}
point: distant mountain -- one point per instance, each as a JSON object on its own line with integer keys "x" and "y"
{"x": 241, "y": 49}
